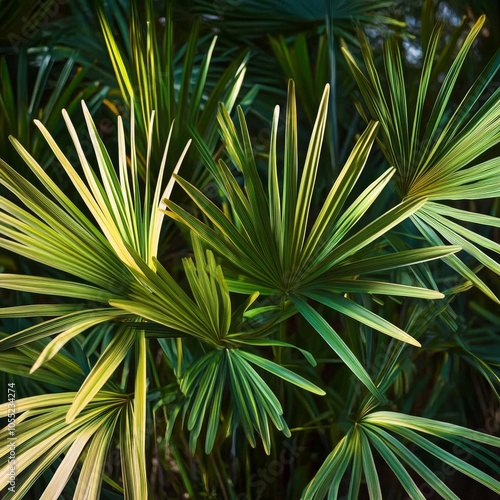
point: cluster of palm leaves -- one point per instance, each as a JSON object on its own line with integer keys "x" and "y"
{"x": 195, "y": 280}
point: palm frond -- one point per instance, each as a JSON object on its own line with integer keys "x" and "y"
{"x": 43, "y": 435}
{"x": 153, "y": 77}
{"x": 255, "y": 17}
{"x": 436, "y": 156}
{"x": 268, "y": 247}
{"x": 21, "y": 102}
{"x": 376, "y": 431}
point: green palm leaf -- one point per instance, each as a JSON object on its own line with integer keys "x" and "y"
{"x": 108, "y": 256}
{"x": 268, "y": 247}
{"x": 255, "y": 17}
{"x": 153, "y": 77}
{"x": 375, "y": 431}
{"x": 436, "y": 156}
{"x": 42, "y": 435}
{"x": 21, "y": 102}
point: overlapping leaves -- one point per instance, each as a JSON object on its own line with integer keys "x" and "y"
{"x": 228, "y": 368}
{"x": 439, "y": 156}
{"x": 177, "y": 84}
{"x": 21, "y": 101}
{"x": 42, "y": 435}
{"x": 268, "y": 248}
{"x": 255, "y": 17}
{"x": 107, "y": 258}
{"x": 122, "y": 282}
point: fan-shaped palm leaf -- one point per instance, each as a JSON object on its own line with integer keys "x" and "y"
{"x": 103, "y": 256}
{"x": 253, "y": 18}
{"x": 21, "y": 103}
{"x": 375, "y": 432}
{"x": 439, "y": 157}
{"x": 268, "y": 247}
{"x": 42, "y": 435}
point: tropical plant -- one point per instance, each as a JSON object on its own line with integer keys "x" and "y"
{"x": 155, "y": 78}
{"x": 194, "y": 308}
{"x": 438, "y": 156}
{"x": 268, "y": 247}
